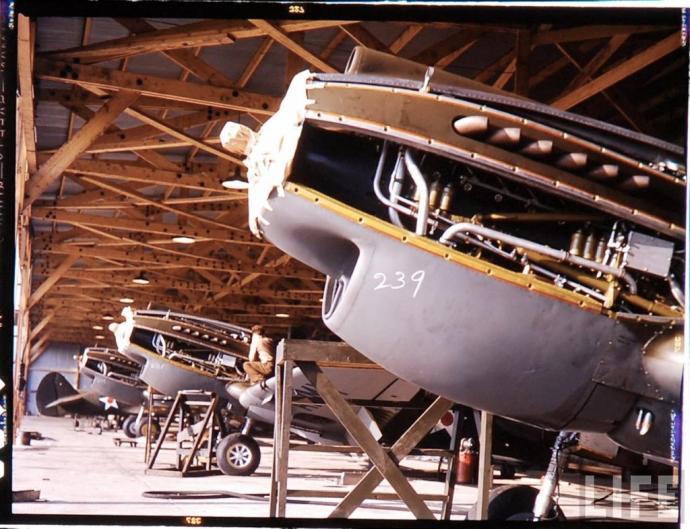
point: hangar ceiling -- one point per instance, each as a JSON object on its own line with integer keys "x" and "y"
{"x": 118, "y": 150}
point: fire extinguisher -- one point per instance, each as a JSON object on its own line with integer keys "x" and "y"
{"x": 468, "y": 462}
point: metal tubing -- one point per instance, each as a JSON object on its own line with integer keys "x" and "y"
{"x": 420, "y": 182}
{"x": 559, "y": 459}
{"x": 394, "y": 188}
{"x": 559, "y": 255}
{"x": 676, "y": 290}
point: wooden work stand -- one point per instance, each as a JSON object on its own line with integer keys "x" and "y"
{"x": 310, "y": 357}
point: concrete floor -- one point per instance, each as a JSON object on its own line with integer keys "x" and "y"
{"x": 78, "y": 472}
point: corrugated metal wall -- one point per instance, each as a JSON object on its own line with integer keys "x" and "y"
{"x": 60, "y": 357}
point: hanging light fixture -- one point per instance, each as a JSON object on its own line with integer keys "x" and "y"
{"x": 100, "y": 337}
{"x": 183, "y": 239}
{"x": 282, "y": 315}
{"x": 97, "y": 327}
{"x": 107, "y": 317}
{"x": 126, "y": 300}
{"x": 235, "y": 183}
{"x": 141, "y": 279}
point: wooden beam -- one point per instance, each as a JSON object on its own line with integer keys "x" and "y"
{"x": 137, "y": 173}
{"x": 184, "y": 58}
{"x": 26, "y": 88}
{"x": 39, "y": 348}
{"x": 254, "y": 62}
{"x": 332, "y": 45}
{"x": 142, "y": 198}
{"x": 36, "y": 330}
{"x": 402, "y": 447}
{"x": 407, "y": 35}
{"x": 157, "y": 228}
{"x": 69, "y": 152}
{"x": 164, "y": 127}
{"x": 280, "y": 36}
{"x": 52, "y": 279}
{"x": 628, "y": 112}
{"x": 67, "y": 98}
{"x": 388, "y": 467}
{"x": 619, "y": 72}
{"x": 363, "y": 37}
{"x": 523, "y": 45}
{"x": 558, "y": 64}
{"x": 593, "y": 66}
{"x": 294, "y": 63}
{"x": 499, "y": 64}
{"x": 450, "y": 45}
{"x": 559, "y": 36}
{"x": 167, "y": 281}
{"x": 196, "y": 34}
{"x": 506, "y": 75}
{"x": 145, "y": 132}
{"x": 485, "y": 469}
{"x": 149, "y": 85}
{"x": 208, "y": 263}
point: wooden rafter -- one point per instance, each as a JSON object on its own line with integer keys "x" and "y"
{"x": 205, "y": 33}
{"x": 157, "y": 228}
{"x": 628, "y": 112}
{"x": 407, "y": 35}
{"x": 208, "y": 263}
{"x": 177, "y": 133}
{"x": 523, "y": 46}
{"x": 364, "y": 37}
{"x": 619, "y": 72}
{"x": 280, "y": 36}
{"x": 448, "y": 47}
{"x": 69, "y": 152}
{"x": 142, "y": 198}
{"x": 590, "y": 33}
{"x": 106, "y": 79}
{"x": 26, "y": 91}
{"x": 254, "y": 62}
{"x": 45, "y": 320}
{"x": 52, "y": 279}
{"x": 593, "y": 66}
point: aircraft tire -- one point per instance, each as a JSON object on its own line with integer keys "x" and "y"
{"x": 238, "y": 455}
{"x": 514, "y": 502}
{"x": 129, "y": 426}
{"x": 143, "y": 427}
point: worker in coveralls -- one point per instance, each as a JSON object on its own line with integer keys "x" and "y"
{"x": 260, "y": 362}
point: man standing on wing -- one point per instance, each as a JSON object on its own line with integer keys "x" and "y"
{"x": 260, "y": 362}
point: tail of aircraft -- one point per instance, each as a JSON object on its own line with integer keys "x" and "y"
{"x": 53, "y": 390}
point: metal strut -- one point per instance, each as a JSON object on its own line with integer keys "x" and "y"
{"x": 564, "y": 444}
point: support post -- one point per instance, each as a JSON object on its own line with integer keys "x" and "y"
{"x": 452, "y": 474}
{"x": 485, "y": 468}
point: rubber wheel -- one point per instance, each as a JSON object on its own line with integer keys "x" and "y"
{"x": 129, "y": 426}
{"x": 142, "y": 431}
{"x": 238, "y": 455}
{"x": 514, "y": 502}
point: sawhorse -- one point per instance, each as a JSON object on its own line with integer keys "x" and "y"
{"x": 310, "y": 356}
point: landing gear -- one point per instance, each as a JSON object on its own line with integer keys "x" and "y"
{"x": 238, "y": 455}
{"x": 522, "y": 502}
{"x": 565, "y": 442}
{"x": 129, "y": 426}
{"x": 515, "y": 502}
{"x": 143, "y": 427}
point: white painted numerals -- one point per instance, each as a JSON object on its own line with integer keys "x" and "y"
{"x": 399, "y": 281}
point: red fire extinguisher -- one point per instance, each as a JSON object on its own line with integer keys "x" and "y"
{"x": 468, "y": 462}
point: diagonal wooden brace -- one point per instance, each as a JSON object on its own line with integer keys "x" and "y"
{"x": 410, "y": 439}
{"x": 387, "y": 466}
